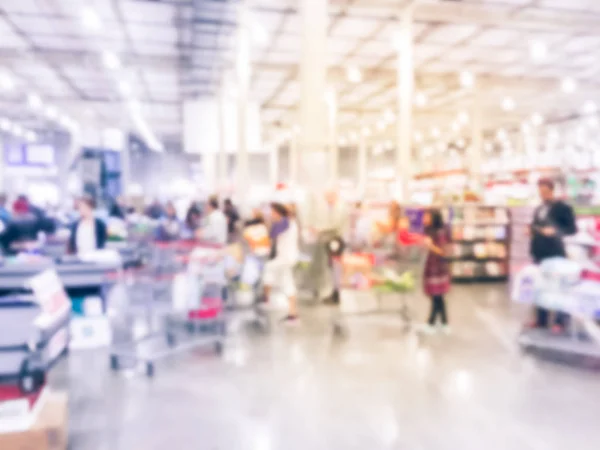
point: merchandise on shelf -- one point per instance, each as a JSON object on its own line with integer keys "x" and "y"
{"x": 480, "y": 247}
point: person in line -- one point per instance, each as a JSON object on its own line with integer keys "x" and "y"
{"x": 256, "y": 218}
{"x": 118, "y": 209}
{"x": 233, "y": 217}
{"x": 436, "y": 277}
{"x": 155, "y": 210}
{"x": 326, "y": 220}
{"x": 170, "y": 228}
{"x": 88, "y": 233}
{"x": 552, "y": 220}
{"x": 5, "y": 214}
{"x": 279, "y": 269}
{"x": 215, "y": 230}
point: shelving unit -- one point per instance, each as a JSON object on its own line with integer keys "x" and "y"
{"x": 480, "y": 243}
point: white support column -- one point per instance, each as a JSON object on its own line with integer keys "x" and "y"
{"x": 222, "y": 175}
{"x": 313, "y": 139}
{"x": 242, "y": 67}
{"x": 406, "y": 81}
{"x": 293, "y": 160}
{"x": 362, "y": 165}
{"x": 334, "y": 156}
{"x": 476, "y": 154}
{"x": 274, "y": 165}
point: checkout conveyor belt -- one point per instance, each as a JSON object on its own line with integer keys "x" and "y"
{"x": 74, "y": 275}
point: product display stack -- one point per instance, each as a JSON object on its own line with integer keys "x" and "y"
{"x": 480, "y": 243}
{"x": 34, "y": 337}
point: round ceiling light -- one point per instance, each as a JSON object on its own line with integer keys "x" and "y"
{"x": 354, "y": 75}
{"x": 467, "y": 79}
{"x": 568, "y": 85}
{"x": 538, "y": 51}
{"x": 508, "y": 104}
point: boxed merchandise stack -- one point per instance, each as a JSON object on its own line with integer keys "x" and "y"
{"x": 34, "y": 337}
{"x": 480, "y": 243}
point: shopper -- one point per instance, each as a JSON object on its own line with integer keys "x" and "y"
{"x": 436, "y": 277}
{"x": 88, "y": 233}
{"x": 552, "y": 220}
{"x": 279, "y": 269}
{"x": 215, "y": 230}
{"x": 257, "y": 218}
{"x": 155, "y": 210}
{"x": 4, "y": 212}
{"x": 327, "y": 219}
{"x": 233, "y": 218}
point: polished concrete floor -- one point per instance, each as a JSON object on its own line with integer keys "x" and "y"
{"x": 378, "y": 388}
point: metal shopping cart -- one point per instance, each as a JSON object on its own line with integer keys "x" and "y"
{"x": 562, "y": 286}
{"x": 171, "y": 305}
{"x": 379, "y": 282}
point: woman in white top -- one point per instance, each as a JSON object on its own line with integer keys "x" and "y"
{"x": 279, "y": 269}
{"x": 88, "y": 233}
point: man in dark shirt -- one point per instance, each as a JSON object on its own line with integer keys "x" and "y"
{"x": 552, "y": 220}
{"x": 233, "y": 217}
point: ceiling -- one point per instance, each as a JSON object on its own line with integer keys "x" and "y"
{"x": 170, "y": 50}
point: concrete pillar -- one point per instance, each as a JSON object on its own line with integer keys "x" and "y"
{"x": 362, "y": 165}
{"x": 475, "y": 157}
{"x": 242, "y": 69}
{"x": 274, "y": 166}
{"x": 334, "y": 156}
{"x": 222, "y": 169}
{"x": 312, "y": 145}
{"x": 406, "y": 81}
{"x": 293, "y": 160}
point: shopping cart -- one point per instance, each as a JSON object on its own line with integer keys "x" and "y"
{"x": 171, "y": 305}
{"x": 561, "y": 286}
{"x": 379, "y": 282}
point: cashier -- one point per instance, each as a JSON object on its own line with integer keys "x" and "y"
{"x": 88, "y": 233}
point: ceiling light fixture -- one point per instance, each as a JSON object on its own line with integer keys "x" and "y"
{"x": 590, "y": 107}
{"x": 6, "y": 82}
{"x": 51, "y": 113}
{"x": 537, "y": 119}
{"x": 124, "y": 87}
{"x": 90, "y": 19}
{"x": 508, "y": 104}
{"x": 463, "y": 118}
{"x": 568, "y": 85}
{"x": 34, "y": 101}
{"x": 111, "y": 60}
{"x": 467, "y": 79}
{"x": 420, "y": 100}
{"x": 5, "y": 125}
{"x": 389, "y": 116}
{"x": 538, "y": 51}
{"x": 354, "y": 75}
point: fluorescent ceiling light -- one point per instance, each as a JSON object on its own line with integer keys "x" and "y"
{"x": 354, "y": 75}
{"x": 590, "y": 107}
{"x": 420, "y": 99}
{"x": 389, "y": 115}
{"x": 51, "y": 112}
{"x": 91, "y": 19}
{"x": 538, "y": 51}
{"x": 467, "y": 79}
{"x": 111, "y": 60}
{"x": 508, "y": 104}
{"x": 463, "y": 118}
{"x": 568, "y": 85}
{"x": 6, "y": 82}
{"x": 124, "y": 87}
{"x": 34, "y": 101}
{"x": 537, "y": 119}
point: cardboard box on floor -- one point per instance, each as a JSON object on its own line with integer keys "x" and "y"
{"x": 49, "y": 431}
